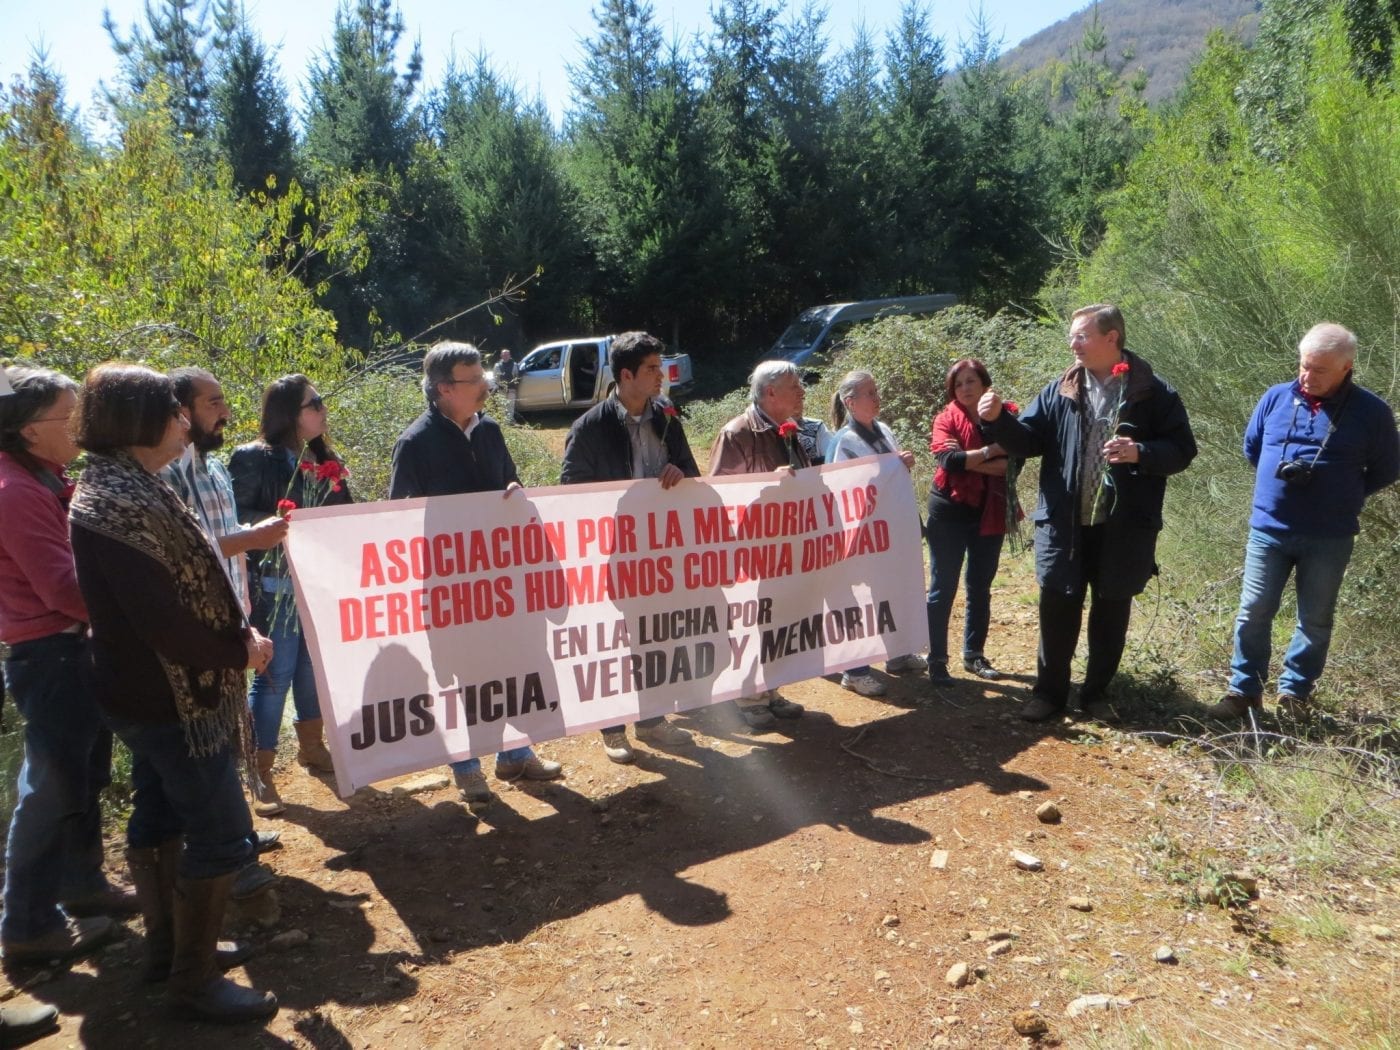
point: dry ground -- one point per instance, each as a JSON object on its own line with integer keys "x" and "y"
{"x": 784, "y": 890}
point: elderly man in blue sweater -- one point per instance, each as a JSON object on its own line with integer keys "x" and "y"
{"x": 1319, "y": 445}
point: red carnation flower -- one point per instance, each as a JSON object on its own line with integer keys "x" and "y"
{"x": 285, "y": 508}
{"x": 1011, "y": 407}
{"x": 787, "y": 430}
{"x": 670, "y": 412}
{"x": 1121, "y": 368}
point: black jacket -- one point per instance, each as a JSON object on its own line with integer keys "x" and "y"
{"x": 263, "y": 476}
{"x": 598, "y": 448}
{"x": 434, "y": 458}
{"x": 1051, "y": 428}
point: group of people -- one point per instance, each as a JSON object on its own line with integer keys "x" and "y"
{"x": 137, "y": 601}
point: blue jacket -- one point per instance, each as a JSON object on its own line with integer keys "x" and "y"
{"x": 1362, "y": 456}
{"x": 1050, "y": 428}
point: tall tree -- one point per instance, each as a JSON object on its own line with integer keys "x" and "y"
{"x": 649, "y": 202}
{"x": 1099, "y": 129}
{"x": 361, "y": 114}
{"x": 173, "y": 47}
{"x": 252, "y": 125}
{"x": 1001, "y": 207}
{"x": 515, "y": 207}
{"x": 917, "y": 144}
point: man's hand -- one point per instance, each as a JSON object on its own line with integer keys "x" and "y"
{"x": 1121, "y": 450}
{"x": 263, "y": 536}
{"x": 907, "y": 458}
{"x": 514, "y": 486}
{"x": 989, "y": 405}
{"x": 670, "y": 475}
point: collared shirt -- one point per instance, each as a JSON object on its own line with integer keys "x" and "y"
{"x": 39, "y": 593}
{"x": 205, "y": 486}
{"x": 1100, "y": 398}
{"x": 649, "y": 456}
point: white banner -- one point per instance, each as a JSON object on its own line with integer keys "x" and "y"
{"x": 456, "y": 626}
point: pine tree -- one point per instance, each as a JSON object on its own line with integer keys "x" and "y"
{"x": 173, "y": 47}
{"x": 252, "y": 125}
{"x": 362, "y": 115}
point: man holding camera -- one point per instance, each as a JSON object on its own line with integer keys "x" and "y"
{"x": 1319, "y": 446}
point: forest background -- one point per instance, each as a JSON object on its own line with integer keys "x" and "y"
{"x": 708, "y": 192}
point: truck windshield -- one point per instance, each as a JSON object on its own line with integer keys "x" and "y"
{"x": 802, "y": 332}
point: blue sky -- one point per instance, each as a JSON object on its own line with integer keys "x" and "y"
{"x": 530, "y": 41}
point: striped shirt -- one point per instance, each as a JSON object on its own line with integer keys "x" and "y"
{"x": 203, "y": 483}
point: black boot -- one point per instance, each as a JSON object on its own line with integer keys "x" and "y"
{"x": 197, "y": 989}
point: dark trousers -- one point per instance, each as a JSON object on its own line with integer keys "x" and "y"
{"x": 178, "y": 794}
{"x": 54, "y": 850}
{"x": 1061, "y": 614}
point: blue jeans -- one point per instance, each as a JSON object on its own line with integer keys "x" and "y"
{"x": 1320, "y": 563}
{"x": 178, "y": 794}
{"x": 948, "y": 543}
{"x": 54, "y": 850}
{"x": 471, "y": 765}
{"x": 290, "y": 669}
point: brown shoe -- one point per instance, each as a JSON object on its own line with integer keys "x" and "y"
{"x": 1234, "y": 706}
{"x": 1041, "y": 709}
{"x": 266, "y": 801}
{"x": 312, "y": 753}
{"x": 78, "y": 937}
{"x": 1295, "y": 707}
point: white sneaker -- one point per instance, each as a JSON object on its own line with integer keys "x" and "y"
{"x": 616, "y": 747}
{"x": 911, "y": 662}
{"x": 663, "y": 735}
{"x": 864, "y": 684}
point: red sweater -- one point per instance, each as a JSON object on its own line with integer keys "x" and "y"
{"x": 39, "y": 593}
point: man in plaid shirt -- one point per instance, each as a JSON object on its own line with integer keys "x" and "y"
{"x": 203, "y": 482}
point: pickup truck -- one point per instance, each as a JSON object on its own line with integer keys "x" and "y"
{"x": 574, "y": 373}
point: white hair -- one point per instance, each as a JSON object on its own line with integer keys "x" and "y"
{"x": 767, "y": 374}
{"x": 1329, "y": 338}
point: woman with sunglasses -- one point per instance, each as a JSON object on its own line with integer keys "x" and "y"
{"x": 291, "y": 461}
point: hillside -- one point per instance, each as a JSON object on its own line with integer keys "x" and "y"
{"x": 1163, "y": 36}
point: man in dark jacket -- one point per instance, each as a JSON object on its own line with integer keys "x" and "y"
{"x": 452, "y": 448}
{"x": 1320, "y": 445}
{"x": 633, "y": 434}
{"x": 1109, "y": 432}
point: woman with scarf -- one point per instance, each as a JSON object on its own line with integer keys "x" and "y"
{"x": 170, "y": 648}
{"x": 290, "y": 461}
{"x": 967, "y": 518}
{"x": 855, "y": 410}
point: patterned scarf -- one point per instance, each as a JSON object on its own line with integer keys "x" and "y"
{"x": 120, "y": 499}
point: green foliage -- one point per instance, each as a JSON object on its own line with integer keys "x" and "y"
{"x": 129, "y": 254}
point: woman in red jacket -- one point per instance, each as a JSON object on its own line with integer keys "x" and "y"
{"x": 967, "y": 519}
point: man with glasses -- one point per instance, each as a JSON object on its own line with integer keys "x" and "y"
{"x": 453, "y": 448}
{"x": 1319, "y": 446}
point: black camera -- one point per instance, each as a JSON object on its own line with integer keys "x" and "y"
{"x": 1295, "y": 472}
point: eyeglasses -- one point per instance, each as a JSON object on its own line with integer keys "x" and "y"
{"x": 52, "y": 419}
{"x": 316, "y": 402}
